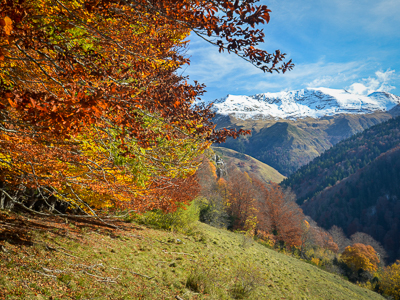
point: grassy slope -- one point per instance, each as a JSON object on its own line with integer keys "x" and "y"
{"x": 249, "y": 164}
{"x": 85, "y": 261}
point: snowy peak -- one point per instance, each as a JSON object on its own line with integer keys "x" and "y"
{"x": 311, "y": 102}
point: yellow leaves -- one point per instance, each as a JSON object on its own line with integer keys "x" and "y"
{"x": 389, "y": 281}
{"x": 316, "y": 261}
{"x": 307, "y": 224}
{"x": 7, "y": 24}
{"x": 360, "y": 256}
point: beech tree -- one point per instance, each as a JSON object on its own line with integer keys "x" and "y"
{"x": 389, "y": 281}
{"x": 359, "y": 256}
{"x": 285, "y": 217}
{"x": 241, "y": 202}
{"x": 366, "y": 239}
{"x": 263, "y": 209}
{"x": 92, "y": 110}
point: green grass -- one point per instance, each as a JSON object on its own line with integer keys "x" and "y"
{"x": 86, "y": 261}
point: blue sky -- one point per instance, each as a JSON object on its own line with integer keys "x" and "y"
{"x": 352, "y": 44}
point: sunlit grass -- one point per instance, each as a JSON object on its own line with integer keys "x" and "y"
{"x": 143, "y": 263}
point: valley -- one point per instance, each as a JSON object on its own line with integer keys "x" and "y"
{"x": 341, "y": 167}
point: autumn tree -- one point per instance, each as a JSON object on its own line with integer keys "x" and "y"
{"x": 340, "y": 238}
{"x": 263, "y": 208}
{"x": 241, "y": 201}
{"x": 92, "y": 110}
{"x": 284, "y": 217}
{"x": 314, "y": 236}
{"x": 212, "y": 194}
{"x": 366, "y": 239}
{"x": 389, "y": 281}
{"x": 359, "y": 256}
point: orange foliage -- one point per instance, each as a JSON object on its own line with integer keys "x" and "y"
{"x": 89, "y": 91}
{"x": 360, "y": 256}
{"x": 283, "y": 218}
{"x": 241, "y": 202}
{"x": 263, "y": 210}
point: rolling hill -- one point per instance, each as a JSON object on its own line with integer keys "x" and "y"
{"x": 246, "y": 163}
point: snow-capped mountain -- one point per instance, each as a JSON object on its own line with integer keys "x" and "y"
{"x": 311, "y": 102}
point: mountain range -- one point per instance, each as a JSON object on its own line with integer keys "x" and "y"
{"x": 289, "y": 129}
{"x": 297, "y": 104}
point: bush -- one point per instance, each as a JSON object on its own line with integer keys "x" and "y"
{"x": 247, "y": 279}
{"x": 182, "y": 220}
{"x": 389, "y": 283}
{"x": 212, "y": 212}
{"x": 199, "y": 282}
{"x": 206, "y": 278}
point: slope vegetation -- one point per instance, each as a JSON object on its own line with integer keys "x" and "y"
{"x": 52, "y": 259}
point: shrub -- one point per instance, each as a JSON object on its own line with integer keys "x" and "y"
{"x": 212, "y": 211}
{"x": 198, "y": 282}
{"x": 206, "y": 278}
{"x": 389, "y": 284}
{"x": 247, "y": 240}
{"x": 247, "y": 279}
{"x": 182, "y": 220}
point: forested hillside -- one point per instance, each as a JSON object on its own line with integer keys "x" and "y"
{"x": 367, "y": 201}
{"x": 344, "y": 159}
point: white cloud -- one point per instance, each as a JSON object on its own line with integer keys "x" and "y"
{"x": 225, "y": 73}
{"x": 319, "y": 74}
{"x": 381, "y": 82}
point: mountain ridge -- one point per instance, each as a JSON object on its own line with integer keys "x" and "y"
{"x": 288, "y": 147}
{"x": 299, "y": 104}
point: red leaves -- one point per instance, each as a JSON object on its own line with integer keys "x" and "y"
{"x": 112, "y": 65}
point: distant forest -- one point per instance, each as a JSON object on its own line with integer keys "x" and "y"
{"x": 344, "y": 159}
{"x": 367, "y": 201}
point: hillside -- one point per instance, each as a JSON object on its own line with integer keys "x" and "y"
{"x": 366, "y": 201}
{"x": 344, "y": 159}
{"x": 50, "y": 258}
{"x": 246, "y": 163}
{"x": 286, "y": 145}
